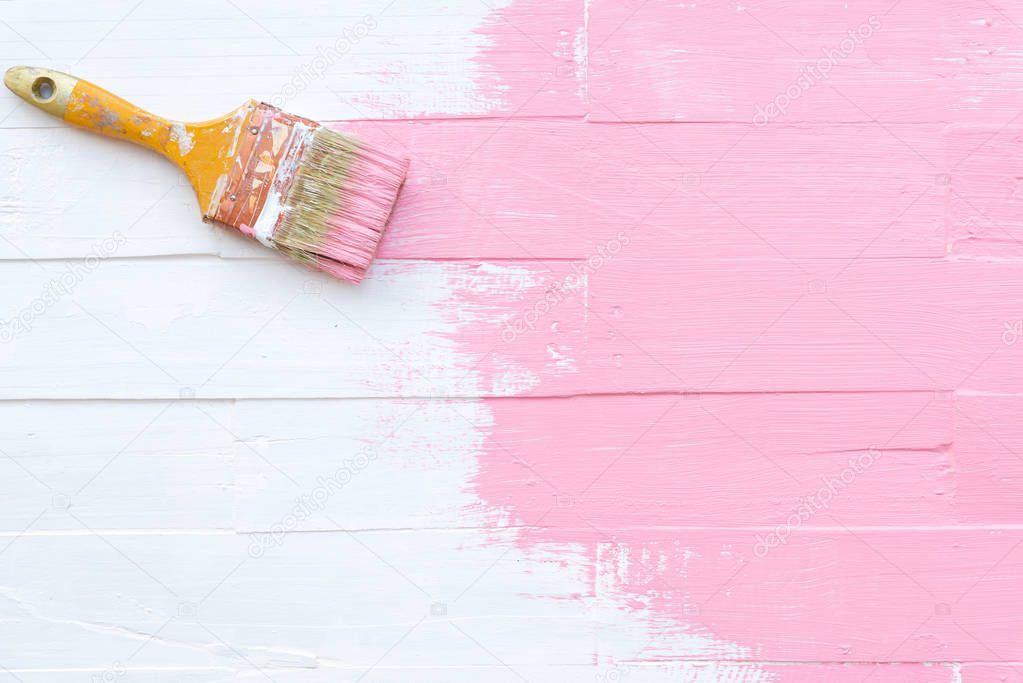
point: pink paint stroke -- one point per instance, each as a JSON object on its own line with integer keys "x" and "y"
{"x": 785, "y": 305}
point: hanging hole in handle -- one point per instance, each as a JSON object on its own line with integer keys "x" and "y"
{"x": 44, "y": 89}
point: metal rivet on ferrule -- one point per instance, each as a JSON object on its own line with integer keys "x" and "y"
{"x": 253, "y": 130}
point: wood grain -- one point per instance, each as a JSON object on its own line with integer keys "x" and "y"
{"x": 862, "y": 61}
{"x": 537, "y": 189}
{"x": 653, "y": 382}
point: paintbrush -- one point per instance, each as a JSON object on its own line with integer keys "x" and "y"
{"x": 319, "y": 196}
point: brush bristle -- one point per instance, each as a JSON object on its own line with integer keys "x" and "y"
{"x": 337, "y": 207}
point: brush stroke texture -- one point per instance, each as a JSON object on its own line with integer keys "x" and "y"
{"x": 868, "y": 60}
{"x": 622, "y": 333}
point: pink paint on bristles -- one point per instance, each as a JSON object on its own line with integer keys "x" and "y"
{"x": 364, "y": 203}
{"x": 316, "y": 195}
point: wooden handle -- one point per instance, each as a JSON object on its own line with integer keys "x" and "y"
{"x": 205, "y": 151}
{"x": 46, "y": 89}
{"x": 81, "y": 103}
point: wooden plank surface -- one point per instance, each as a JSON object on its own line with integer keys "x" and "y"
{"x": 652, "y": 383}
{"x": 772, "y": 61}
{"x": 538, "y": 189}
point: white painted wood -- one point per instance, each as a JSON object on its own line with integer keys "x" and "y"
{"x": 317, "y": 465}
{"x": 196, "y": 59}
{"x": 345, "y": 599}
{"x": 138, "y": 464}
{"x": 184, "y": 328}
{"x": 647, "y": 672}
{"x": 66, "y": 191}
{"x": 684, "y": 672}
{"x": 110, "y": 503}
{"x": 262, "y": 467}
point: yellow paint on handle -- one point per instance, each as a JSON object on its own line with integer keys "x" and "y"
{"x": 204, "y": 151}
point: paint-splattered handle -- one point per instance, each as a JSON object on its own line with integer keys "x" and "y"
{"x": 83, "y": 104}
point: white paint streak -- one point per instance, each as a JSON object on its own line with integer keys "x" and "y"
{"x": 181, "y": 135}
{"x": 270, "y": 215}
{"x": 581, "y": 50}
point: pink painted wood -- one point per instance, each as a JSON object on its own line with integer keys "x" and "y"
{"x": 775, "y": 377}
